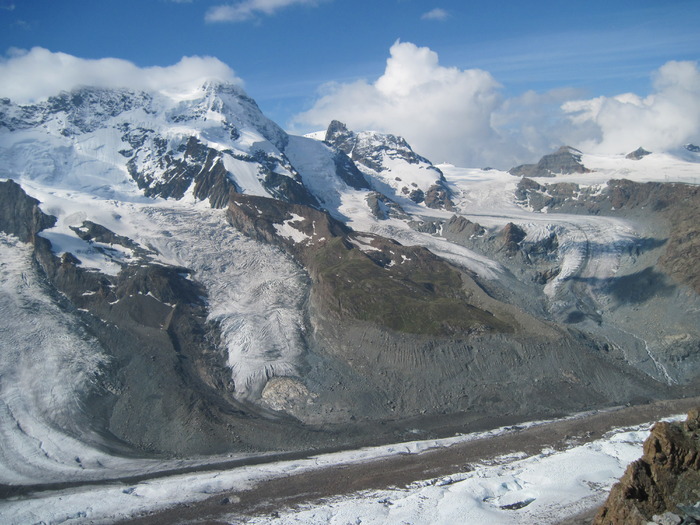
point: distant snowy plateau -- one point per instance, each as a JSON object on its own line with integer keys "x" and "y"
{"x": 183, "y": 284}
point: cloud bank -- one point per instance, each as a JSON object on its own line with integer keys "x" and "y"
{"x": 461, "y": 116}
{"x": 666, "y": 119}
{"x": 247, "y": 9}
{"x": 27, "y": 76}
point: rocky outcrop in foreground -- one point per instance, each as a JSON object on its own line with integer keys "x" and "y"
{"x": 664, "y": 485}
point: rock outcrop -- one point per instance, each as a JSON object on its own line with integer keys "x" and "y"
{"x": 664, "y": 485}
{"x": 20, "y": 214}
{"x": 564, "y": 161}
{"x": 638, "y": 154}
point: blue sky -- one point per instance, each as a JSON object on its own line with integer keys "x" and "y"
{"x": 287, "y": 50}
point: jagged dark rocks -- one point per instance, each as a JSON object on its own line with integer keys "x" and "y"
{"x": 90, "y": 231}
{"x": 664, "y": 485}
{"x": 20, "y": 214}
{"x": 166, "y": 176}
{"x": 457, "y": 225}
{"x": 438, "y": 197}
{"x": 367, "y": 147}
{"x": 346, "y": 169}
{"x": 382, "y": 207}
{"x": 511, "y": 236}
{"x": 565, "y": 160}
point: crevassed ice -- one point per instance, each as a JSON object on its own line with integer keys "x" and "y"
{"x": 256, "y": 293}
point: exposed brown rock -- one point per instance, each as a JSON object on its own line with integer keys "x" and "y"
{"x": 664, "y": 480}
{"x": 512, "y": 235}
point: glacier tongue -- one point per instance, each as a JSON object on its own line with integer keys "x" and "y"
{"x": 47, "y": 365}
{"x": 256, "y": 293}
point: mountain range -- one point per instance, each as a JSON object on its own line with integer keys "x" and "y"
{"x": 181, "y": 277}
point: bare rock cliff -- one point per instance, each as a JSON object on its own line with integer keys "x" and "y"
{"x": 663, "y": 486}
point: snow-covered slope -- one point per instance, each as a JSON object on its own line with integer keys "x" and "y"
{"x": 121, "y": 144}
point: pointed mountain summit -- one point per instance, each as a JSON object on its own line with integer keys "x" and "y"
{"x": 638, "y": 154}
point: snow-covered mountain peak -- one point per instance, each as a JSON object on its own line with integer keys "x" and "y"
{"x": 133, "y": 142}
{"x": 390, "y": 162}
{"x": 371, "y": 148}
{"x": 81, "y": 110}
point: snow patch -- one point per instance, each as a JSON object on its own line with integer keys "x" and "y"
{"x": 289, "y": 231}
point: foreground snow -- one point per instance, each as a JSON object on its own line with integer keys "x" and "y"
{"x": 545, "y": 488}
{"x": 539, "y": 489}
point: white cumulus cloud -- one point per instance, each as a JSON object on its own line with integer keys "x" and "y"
{"x": 436, "y": 14}
{"x": 665, "y": 119}
{"x": 249, "y": 8}
{"x": 445, "y": 113}
{"x": 27, "y": 76}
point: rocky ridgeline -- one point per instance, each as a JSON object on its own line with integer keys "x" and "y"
{"x": 663, "y": 486}
{"x": 370, "y": 150}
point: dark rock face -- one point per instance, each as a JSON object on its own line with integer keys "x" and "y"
{"x": 565, "y": 160}
{"x": 638, "y": 154}
{"x": 90, "y": 231}
{"x": 383, "y": 207}
{"x": 438, "y": 197}
{"x": 170, "y": 177}
{"x": 511, "y": 236}
{"x": 346, "y": 169}
{"x": 20, "y": 214}
{"x": 458, "y": 225}
{"x": 665, "y": 480}
{"x": 340, "y": 136}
